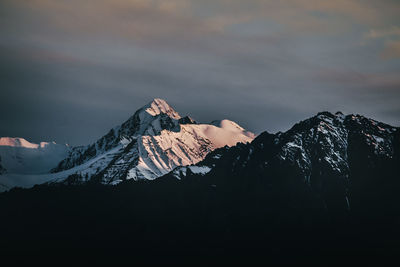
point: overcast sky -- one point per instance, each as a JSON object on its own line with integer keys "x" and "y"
{"x": 70, "y": 70}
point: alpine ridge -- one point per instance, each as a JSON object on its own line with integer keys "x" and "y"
{"x": 326, "y": 189}
{"x": 152, "y": 142}
{"x": 331, "y": 157}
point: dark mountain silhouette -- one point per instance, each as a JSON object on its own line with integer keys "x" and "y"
{"x": 326, "y": 191}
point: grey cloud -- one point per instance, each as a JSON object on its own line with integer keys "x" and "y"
{"x": 70, "y": 73}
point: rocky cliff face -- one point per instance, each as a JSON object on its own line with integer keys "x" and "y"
{"x": 331, "y": 157}
{"x": 155, "y": 140}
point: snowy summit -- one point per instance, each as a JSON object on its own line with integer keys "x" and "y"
{"x": 151, "y": 143}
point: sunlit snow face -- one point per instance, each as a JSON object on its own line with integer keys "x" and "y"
{"x": 70, "y": 66}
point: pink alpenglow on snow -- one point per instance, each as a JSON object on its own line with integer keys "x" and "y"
{"x": 150, "y": 144}
{"x": 19, "y": 142}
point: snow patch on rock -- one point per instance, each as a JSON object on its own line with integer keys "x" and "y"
{"x": 198, "y": 170}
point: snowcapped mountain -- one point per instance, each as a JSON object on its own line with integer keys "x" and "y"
{"x": 151, "y": 143}
{"x": 21, "y": 142}
{"x": 328, "y": 186}
{"x": 154, "y": 141}
{"x": 21, "y": 160}
{"x": 333, "y": 156}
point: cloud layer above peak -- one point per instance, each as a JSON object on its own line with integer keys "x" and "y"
{"x": 69, "y": 64}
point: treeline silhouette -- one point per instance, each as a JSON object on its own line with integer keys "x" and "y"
{"x": 190, "y": 221}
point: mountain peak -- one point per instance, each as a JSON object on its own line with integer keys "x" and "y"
{"x": 227, "y": 124}
{"x": 20, "y": 142}
{"x": 153, "y": 141}
{"x": 158, "y": 106}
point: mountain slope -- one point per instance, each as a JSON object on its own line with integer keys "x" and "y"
{"x": 20, "y": 156}
{"x": 23, "y": 162}
{"x": 152, "y": 142}
{"x": 325, "y": 191}
{"x": 337, "y": 160}
{"x": 155, "y": 140}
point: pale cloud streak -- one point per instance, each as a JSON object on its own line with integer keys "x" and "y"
{"x": 394, "y": 31}
{"x": 391, "y": 50}
{"x": 391, "y": 41}
{"x": 157, "y": 18}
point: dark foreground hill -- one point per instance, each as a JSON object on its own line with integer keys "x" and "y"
{"x": 326, "y": 191}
